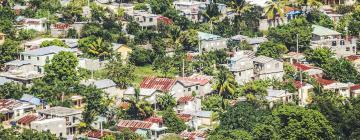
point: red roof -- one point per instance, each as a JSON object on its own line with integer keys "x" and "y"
{"x": 154, "y": 119}
{"x": 27, "y": 119}
{"x": 353, "y": 57}
{"x": 325, "y": 81}
{"x": 61, "y": 26}
{"x": 355, "y": 87}
{"x": 96, "y": 134}
{"x": 193, "y": 135}
{"x": 196, "y": 79}
{"x": 163, "y": 84}
{"x": 134, "y": 124}
{"x": 165, "y": 20}
{"x": 298, "y": 84}
{"x": 185, "y": 117}
{"x": 301, "y": 67}
{"x": 185, "y": 99}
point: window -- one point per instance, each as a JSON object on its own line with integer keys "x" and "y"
{"x": 151, "y": 19}
{"x": 38, "y": 58}
{"x": 29, "y": 57}
{"x": 22, "y": 57}
{"x": 342, "y": 42}
{"x": 334, "y": 43}
{"x": 74, "y": 119}
{"x": 197, "y": 87}
{"x": 189, "y": 89}
{"x": 1, "y": 37}
{"x": 347, "y": 48}
{"x": 60, "y": 134}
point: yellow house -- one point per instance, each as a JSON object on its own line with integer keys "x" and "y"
{"x": 123, "y": 50}
{"x": 2, "y": 38}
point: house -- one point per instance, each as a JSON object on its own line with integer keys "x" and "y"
{"x": 294, "y": 57}
{"x": 25, "y": 121}
{"x": 199, "y": 85}
{"x": 267, "y": 68}
{"x": 35, "y": 44}
{"x": 35, "y": 24}
{"x": 147, "y": 129}
{"x": 106, "y": 85}
{"x": 210, "y": 42}
{"x": 160, "y": 84}
{"x": 355, "y": 90}
{"x": 92, "y": 64}
{"x": 11, "y": 108}
{"x": 78, "y": 101}
{"x": 282, "y": 96}
{"x": 146, "y": 94}
{"x": 190, "y": 9}
{"x": 355, "y": 59}
{"x": 31, "y": 99}
{"x": 202, "y": 118}
{"x": 72, "y": 118}
{"x": 188, "y": 104}
{"x": 2, "y": 38}
{"x": 59, "y": 29}
{"x": 123, "y": 50}
{"x": 310, "y": 70}
{"x": 56, "y": 126}
{"x": 20, "y": 71}
{"x": 144, "y": 18}
{"x": 241, "y": 65}
{"x": 325, "y": 37}
{"x": 341, "y": 89}
{"x": 194, "y": 135}
{"x": 304, "y": 90}
{"x": 253, "y": 41}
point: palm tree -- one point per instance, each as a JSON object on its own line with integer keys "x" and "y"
{"x": 274, "y": 8}
{"x": 310, "y": 3}
{"x": 240, "y": 6}
{"x": 100, "y": 48}
{"x": 225, "y": 84}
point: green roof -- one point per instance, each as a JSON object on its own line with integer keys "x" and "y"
{"x": 322, "y": 31}
{"x": 207, "y": 36}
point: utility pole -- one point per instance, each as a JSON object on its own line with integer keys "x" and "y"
{"x": 183, "y": 67}
{"x": 297, "y": 59}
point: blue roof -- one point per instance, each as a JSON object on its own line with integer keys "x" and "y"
{"x": 47, "y": 50}
{"x": 31, "y": 99}
{"x": 207, "y": 36}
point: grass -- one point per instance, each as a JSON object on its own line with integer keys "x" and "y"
{"x": 144, "y": 71}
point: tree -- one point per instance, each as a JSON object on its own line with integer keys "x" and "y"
{"x": 242, "y": 116}
{"x": 274, "y": 8}
{"x": 319, "y": 18}
{"x": 212, "y": 103}
{"x": 173, "y": 123}
{"x": 189, "y": 40}
{"x": 122, "y": 74}
{"x": 165, "y": 65}
{"x": 27, "y": 34}
{"x": 127, "y": 134}
{"x": 97, "y": 13}
{"x": 62, "y": 68}
{"x": 287, "y": 34}
{"x": 293, "y": 122}
{"x": 225, "y": 85}
{"x": 9, "y": 51}
{"x": 72, "y": 12}
{"x": 96, "y": 105}
{"x": 133, "y": 27}
{"x": 99, "y": 48}
{"x": 341, "y": 70}
{"x": 255, "y": 91}
{"x": 354, "y": 24}
{"x": 72, "y": 33}
{"x": 319, "y": 56}
{"x": 166, "y": 101}
{"x": 159, "y": 6}
{"x": 12, "y": 90}
{"x": 139, "y": 109}
{"x": 271, "y": 49}
{"x": 140, "y": 57}
{"x": 230, "y": 135}
{"x": 141, "y": 6}
{"x": 264, "y": 132}
{"x": 55, "y": 42}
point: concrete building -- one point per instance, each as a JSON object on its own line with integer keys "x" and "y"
{"x": 149, "y": 130}
{"x": 35, "y": 24}
{"x": 144, "y": 18}
{"x": 211, "y": 42}
{"x": 341, "y": 89}
{"x": 11, "y": 109}
{"x": 241, "y": 65}
{"x": 304, "y": 91}
{"x": 281, "y": 96}
{"x": 107, "y": 85}
{"x": 188, "y": 104}
{"x": 327, "y": 38}
{"x": 355, "y": 90}
{"x": 253, "y": 41}
{"x": 72, "y": 118}
{"x": 200, "y": 85}
{"x": 268, "y": 68}
{"x": 35, "y": 44}
{"x": 56, "y": 126}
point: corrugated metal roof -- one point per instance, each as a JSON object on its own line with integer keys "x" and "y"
{"x": 47, "y": 50}
{"x": 163, "y": 84}
{"x": 262, "y": 59}
{"x": 185, "y": 99}
{"x": 134, "y": 124}
{"x": 322, "y": 31}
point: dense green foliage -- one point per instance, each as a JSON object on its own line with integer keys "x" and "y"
{"x": 173, "y": 122}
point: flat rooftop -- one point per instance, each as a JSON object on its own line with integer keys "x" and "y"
{"x": 60, "y": 111}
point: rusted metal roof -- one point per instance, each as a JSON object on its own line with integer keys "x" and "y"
{"x": 162, "y": 84}
{"x": 134, "y": 124}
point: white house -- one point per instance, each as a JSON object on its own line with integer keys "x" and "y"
{"x": 253, "y": 41}
{"x": 188, "y": 104}
{"x": 11, "y": 108}
{"x": 144, "y": 18}
{"x": 268, "y": 68}
{"x": 304, "y": 90}
{"x": 56, "y": 126}
{"x": 107, "y": 85}
{"x": 325, "y": 37}
{"x": 355, "y": 90}
{"x": 241, "y": 65}
{"x": 35, "y": 24}
{"x": 341, "y": 89}
{"x": 200, "y": 85}
{"x": 147, "y": 129}
{"x": 210, "y": 42}
{"x": 278, "y": 96}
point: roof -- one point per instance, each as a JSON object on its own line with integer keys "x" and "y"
{"x": 355, "y": 87}
{"x": 256, "y": 40}
{"x": 204, "y": 114}
{"x": 60, "y": 111}
{"x": 6, "y": 105}
{"x": 325, "y": 81}
{"x": 31, "y": 99}
{"x": 298, "y": 84}
{"x": 17, "y": 63}
{"x": 4, "y": 80}
{"x": 47, "y": 50}
{"x": 301, "y": 66}
{"x": 27, "y": 119}
{"x": 353, "y": 57}
{"x": 323, "y": 31}
{"x": 185, "y": 117}
{"x": 97, "y": 134}
{"x": 185, "y": 99}
{"x": 154, "y": 119}
{"x": 207, "y": 36}
{"x": 263, "y": 59}
{"x": 100, "y": 84}
{"x": 194, "y": 134}
{"x": 163, "y": 84}
{"x": 134, "y": 124}
{"x": 194, "y": 80}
